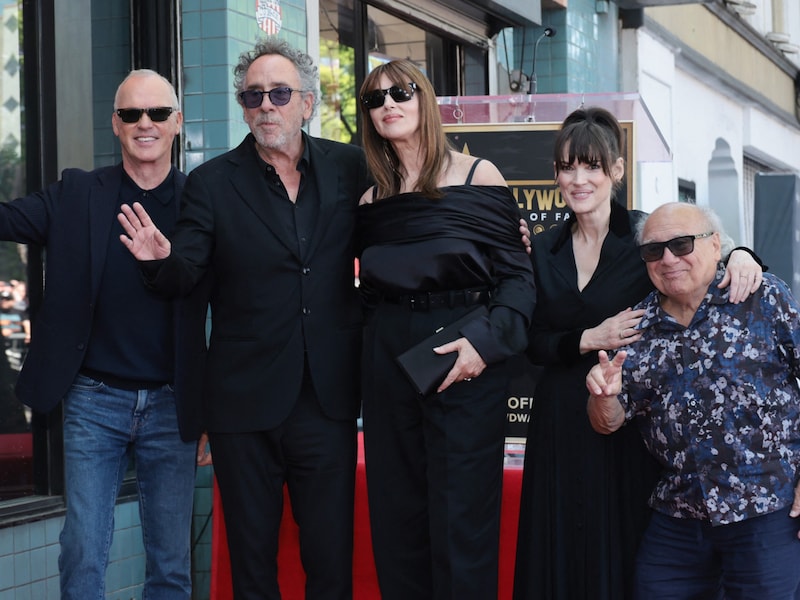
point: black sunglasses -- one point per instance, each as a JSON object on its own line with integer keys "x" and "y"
{"x": 157, "y": 115}
{"x": 679, "y": 246}
{"x": 279, "y": 96}
{"x": 376, "y": 98}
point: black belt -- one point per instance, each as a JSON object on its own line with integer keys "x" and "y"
{"x": 448, "y": 299}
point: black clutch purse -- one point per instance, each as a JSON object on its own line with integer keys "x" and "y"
{"x": 424, "y": 368}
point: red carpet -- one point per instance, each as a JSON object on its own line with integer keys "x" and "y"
{"x": 365, "y": 586}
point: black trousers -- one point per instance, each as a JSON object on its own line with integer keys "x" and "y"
{"x": 434, "y": 468}
{"x": 316, "y": 457}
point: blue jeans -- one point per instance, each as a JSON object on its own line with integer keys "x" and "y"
{"x": 103, "y": 428}
{"x": 754, "y": 559}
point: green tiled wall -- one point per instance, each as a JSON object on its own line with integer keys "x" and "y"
{"x": 29, "y": 553}
{"x": 29, "y": 558}
{"x": 581, "y": 57}
{"x": 111, "y": 48}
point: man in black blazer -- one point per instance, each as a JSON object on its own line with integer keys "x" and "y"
{"x": 114, "y": 352}
{"x": 273, "y": 221}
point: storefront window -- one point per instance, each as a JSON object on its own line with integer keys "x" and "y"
{"x": 16, "y": 439}
{"x": 337, "y": 71}
{"x": 391, "y": 38}
{"x": 386, "y": 37}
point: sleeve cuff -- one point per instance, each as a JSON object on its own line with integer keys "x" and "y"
{"x": 755, "y": 256}
{"x": 569, "y": 346}
{"x": 150, "y": 270}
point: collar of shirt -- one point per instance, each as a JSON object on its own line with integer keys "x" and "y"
{"x": 164, "y": 192}
{"x": 302, "y": 164}
{"x": 655, "y": 315}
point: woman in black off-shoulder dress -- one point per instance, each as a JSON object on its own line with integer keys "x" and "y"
{"x": 439, "y": 236}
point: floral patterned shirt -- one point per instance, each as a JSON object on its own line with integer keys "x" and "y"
{"x": 718, "y": 403}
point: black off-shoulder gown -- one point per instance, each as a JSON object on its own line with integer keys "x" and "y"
{"x": 434, "y": 463}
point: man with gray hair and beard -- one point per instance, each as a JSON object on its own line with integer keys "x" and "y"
{"x": 272, "y": 221}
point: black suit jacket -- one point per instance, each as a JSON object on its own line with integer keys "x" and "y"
{"x": 72, "y": 220}
{"x": 271, "y": 311}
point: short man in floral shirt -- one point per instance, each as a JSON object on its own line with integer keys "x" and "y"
{"x": 712, "y": 386}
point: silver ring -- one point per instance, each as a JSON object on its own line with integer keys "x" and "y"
{"x": 467, "y": 378}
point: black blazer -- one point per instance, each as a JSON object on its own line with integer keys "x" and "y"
{"x": 72, "y": 220}
{"x": 271, "y": 311}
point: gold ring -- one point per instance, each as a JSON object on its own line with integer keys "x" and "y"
{"x": 622, "y": 337}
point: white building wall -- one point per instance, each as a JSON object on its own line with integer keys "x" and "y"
{"x": 706, "y": 116}
{"x": 703, "y": 120}
{"x": 657, "y": 181}
{"x": 770, "y": 140}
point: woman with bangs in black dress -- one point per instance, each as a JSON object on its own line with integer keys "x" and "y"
{"x": 439, "y": 236}
{"x": 584, "y": 495}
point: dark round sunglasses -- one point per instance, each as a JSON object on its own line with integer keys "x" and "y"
{"x": 279, "y": 96}
{"x": 157, "y": 115}
{"x": 679, "y": 246}
{"x": 376, "y": 98}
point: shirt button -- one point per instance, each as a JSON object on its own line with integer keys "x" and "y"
{"x": 306, "y": 311}
{"x": 306, "y": 270}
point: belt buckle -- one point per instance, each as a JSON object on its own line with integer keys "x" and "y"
{"x": 419, "y": 301}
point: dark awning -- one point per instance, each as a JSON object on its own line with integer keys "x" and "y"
{"x": 499, "y": 14}
{"x": 646, "y": 3}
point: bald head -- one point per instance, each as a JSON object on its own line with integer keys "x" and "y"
{"x": 681, "y": 243}
{"x": 139, "y": 74}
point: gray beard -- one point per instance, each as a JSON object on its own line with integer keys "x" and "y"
{"x": 271, "y": 142}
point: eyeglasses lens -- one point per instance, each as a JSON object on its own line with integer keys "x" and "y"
{"x": 132, "y": 115}
{"x": 679, "y": 246}
{"x": 279, "y": 96}
{"x": 376, "y": 98}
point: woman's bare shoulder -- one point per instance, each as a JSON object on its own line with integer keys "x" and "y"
{"x": 486, "y": 173}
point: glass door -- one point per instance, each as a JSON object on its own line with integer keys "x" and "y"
{"x": 16, "y": 438}
{"x": 353, "y": 33}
